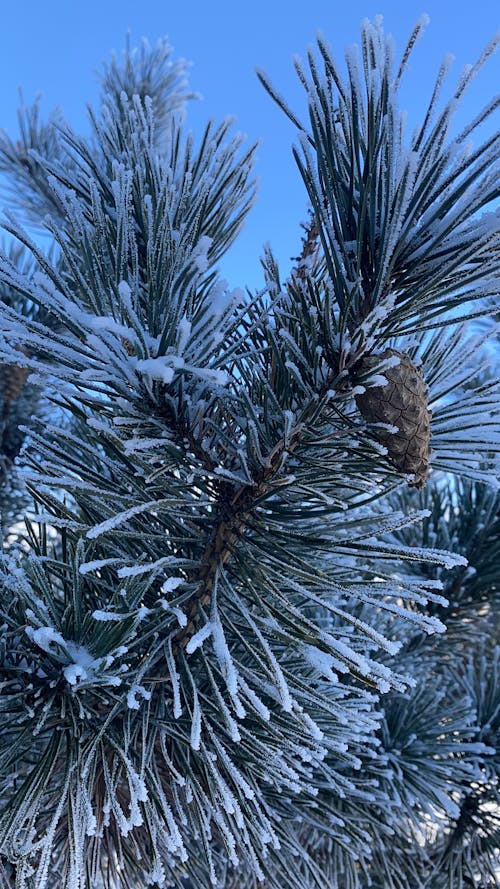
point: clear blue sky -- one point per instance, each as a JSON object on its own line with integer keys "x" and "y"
{"x": 55, "y": 47}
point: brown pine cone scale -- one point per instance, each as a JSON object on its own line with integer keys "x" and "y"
{"x": 402, "y": 402}
{"x": 12, "y": 380}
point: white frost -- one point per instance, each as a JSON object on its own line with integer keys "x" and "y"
{"x": 108, "y": 615}
{"x": 44, "y": 637}
{"x": 132, "y": 694}
{"x": 94, "y": 565}
{"x": 156, "y": 368}
{"x": 199, "y": 637}
{"x": 171, "y": 584}
{"x": 321, "y": 661}
{"x": 113, "y": 522}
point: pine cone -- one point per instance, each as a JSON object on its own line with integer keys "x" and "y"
{"x": 12, "y": 380}
{"x": 402, "y": 403}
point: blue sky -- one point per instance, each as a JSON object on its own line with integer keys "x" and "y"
{"x": 56, "y": 47}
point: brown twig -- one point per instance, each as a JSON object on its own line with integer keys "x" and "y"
{"x": 236, "y": 506}
{"x": 309, "y": 248}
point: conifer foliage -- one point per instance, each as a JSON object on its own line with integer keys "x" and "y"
{"x": 223, "y": 653}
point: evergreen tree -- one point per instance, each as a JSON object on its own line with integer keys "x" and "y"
{"x": 223, "y": 658}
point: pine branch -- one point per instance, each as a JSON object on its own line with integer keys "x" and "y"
{"x": 213, "y": 666}
{"x": 235, "y": 507}
{"x": 393, "y": 219}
